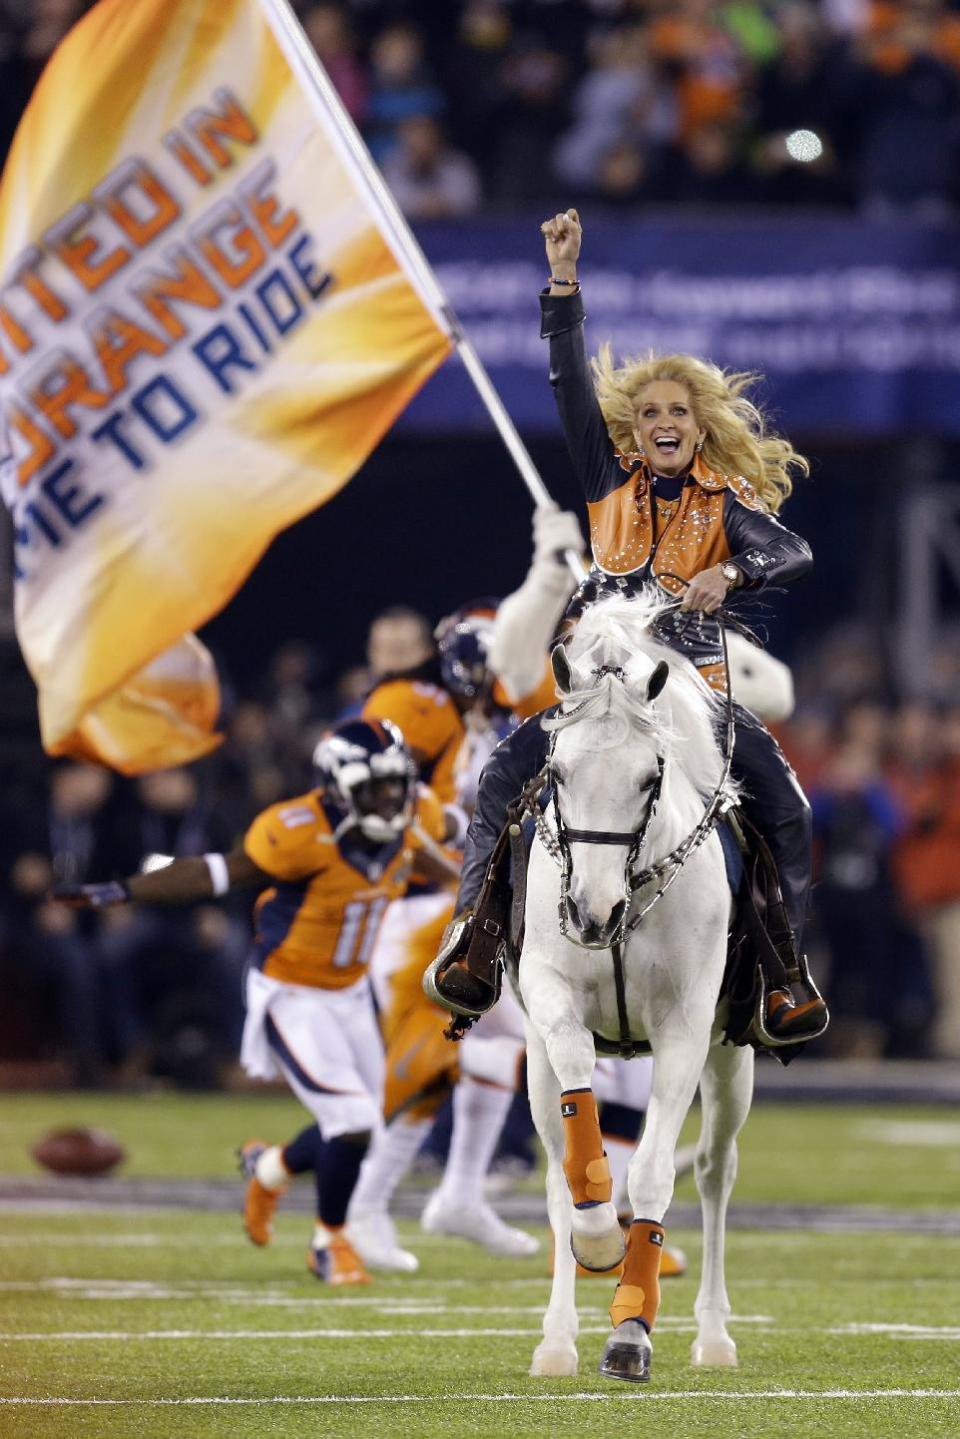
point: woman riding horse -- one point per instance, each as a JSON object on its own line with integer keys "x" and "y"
{"x": 682, "y": 484}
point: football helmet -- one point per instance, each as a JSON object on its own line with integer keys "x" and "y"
{"x": 366, "y": 770}
{"x": 463, "y": 643}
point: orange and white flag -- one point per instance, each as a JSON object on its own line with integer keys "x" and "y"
{"x": 205, "y": 327}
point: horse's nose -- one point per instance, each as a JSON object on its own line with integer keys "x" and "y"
{"x": 573, "y": 914}
{"x": 593, "y": 931}
{"x": 615, "y": 920}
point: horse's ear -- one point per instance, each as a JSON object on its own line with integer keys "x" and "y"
{"x": 561, "y": 669}
{"x": 657, "y": 680}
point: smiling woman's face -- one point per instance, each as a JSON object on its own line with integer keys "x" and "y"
{"x": 666, "y": 429}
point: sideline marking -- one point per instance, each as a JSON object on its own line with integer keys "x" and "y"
{"x": 633, "y": 1396}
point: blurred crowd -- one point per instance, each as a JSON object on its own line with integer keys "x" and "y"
{"x": 883, "y": 779}
{"x": 498, "y": 103}
{"x": 495, "y": 104}
{"x": 137, "y": 992}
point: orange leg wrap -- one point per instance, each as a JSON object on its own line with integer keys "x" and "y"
{"x": 638, "y": 1293}
{"x": 584, "y": 1164}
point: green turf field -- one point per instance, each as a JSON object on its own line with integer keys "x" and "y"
{"x": 178, "y": 1327}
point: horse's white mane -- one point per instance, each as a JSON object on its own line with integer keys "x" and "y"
{"x": 614, "y": 634}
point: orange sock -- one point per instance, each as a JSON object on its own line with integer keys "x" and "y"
{"x": 584, "y": 1164}
{"x": 638, "y": 1293}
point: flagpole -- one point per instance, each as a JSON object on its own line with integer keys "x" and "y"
{"x": 306, "y": 66}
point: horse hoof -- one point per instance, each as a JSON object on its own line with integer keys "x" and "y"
{"x": 599, "y": 1251}
{"x": 715, "y": 1353}
{"x": 627, "y": 1353}
{"x": 554, "y": 1361}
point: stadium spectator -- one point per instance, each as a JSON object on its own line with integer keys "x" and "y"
{"x": 691, "y": 39}
{"x": 902, "y": 100}
{"x": 534, "y": 111}
{"x": 169, "y": 971}
{"x": 925, "y": 772}
{"x": 856, "y": 822}
{"x": 471, "y": 60}
{"x": 401, "y": 86}
{"x": 400, "y": 639}
{"x": 795, "y": 91}
{"x": 55, "y": 959}
{"x": 429, "y": 180}
{"x": 328, "y": 30}
{"x": 622, "y": 105}
{"x": 296, "y": 707}
{"x": 708, "y": 168}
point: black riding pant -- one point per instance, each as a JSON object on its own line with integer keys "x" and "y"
{"x": 772, "y": 799}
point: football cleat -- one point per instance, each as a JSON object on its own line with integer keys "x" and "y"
{"x": 673, "y": 1263}
{"x": 478, "y": 1223}
{"x": 337, "y": 1262}
{"x": 259, "y": 1202}
{"x": 373, "y": 1235}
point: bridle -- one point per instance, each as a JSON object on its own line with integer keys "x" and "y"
{"x": 634, "y": 840}
{"x": 557, "y": 842}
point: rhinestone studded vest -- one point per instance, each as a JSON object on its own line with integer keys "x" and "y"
{"x": 621, "y": 526}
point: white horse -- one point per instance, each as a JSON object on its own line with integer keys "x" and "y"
{"x": 634, "y": 762}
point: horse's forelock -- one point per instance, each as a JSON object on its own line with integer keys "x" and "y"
{"x": 615, "y": 634}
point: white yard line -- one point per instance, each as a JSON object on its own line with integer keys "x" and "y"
{"x": 108, "y": 1290}
{"x": 632, "y": 1395}
{"x": 108, "y": 1336}
{"x": 902, "y": 1331}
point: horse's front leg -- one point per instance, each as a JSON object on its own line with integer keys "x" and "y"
{"x": 596, "y": 1237}
{"x": 650, "y": 1182}
{"x": 726, "y": 1089}
{"x": 556, "y": 1354}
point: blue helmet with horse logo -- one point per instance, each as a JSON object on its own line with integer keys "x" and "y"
{"x": 463, "y": 645}
{"x": 366, "y": 770}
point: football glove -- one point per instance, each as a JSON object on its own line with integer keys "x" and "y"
{"x": 92, "y": 896}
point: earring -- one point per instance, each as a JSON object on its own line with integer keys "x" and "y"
{"x": 699, "y": 446}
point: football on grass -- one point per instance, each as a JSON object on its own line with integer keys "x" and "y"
{"x": 78, "y": 1151}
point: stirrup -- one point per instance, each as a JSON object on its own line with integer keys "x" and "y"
{"x": 773, "y": 1041}
{"x": 470, "y": 996}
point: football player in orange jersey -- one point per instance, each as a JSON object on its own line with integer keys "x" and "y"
{"x": 491, "y": 662}
{"x": 447, "y": 710}
{"x": 444, "y": 703}
{"x": 332, "y": 861}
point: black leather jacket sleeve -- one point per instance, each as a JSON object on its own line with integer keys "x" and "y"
{"x": 515, "y": 760}
{"x": 596, "y": 464}
{"x": 762, "y": 548}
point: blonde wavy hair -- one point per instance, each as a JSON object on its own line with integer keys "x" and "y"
{"x": 735, "y": 442}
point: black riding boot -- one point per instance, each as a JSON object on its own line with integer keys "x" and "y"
{"x": 465, "y": 976}
{"x": 776, "y": 805}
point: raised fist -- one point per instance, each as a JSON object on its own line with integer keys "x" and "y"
{"x": 563, "y": 235}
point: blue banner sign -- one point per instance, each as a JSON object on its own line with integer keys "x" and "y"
{"x": 856, "y": 326}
